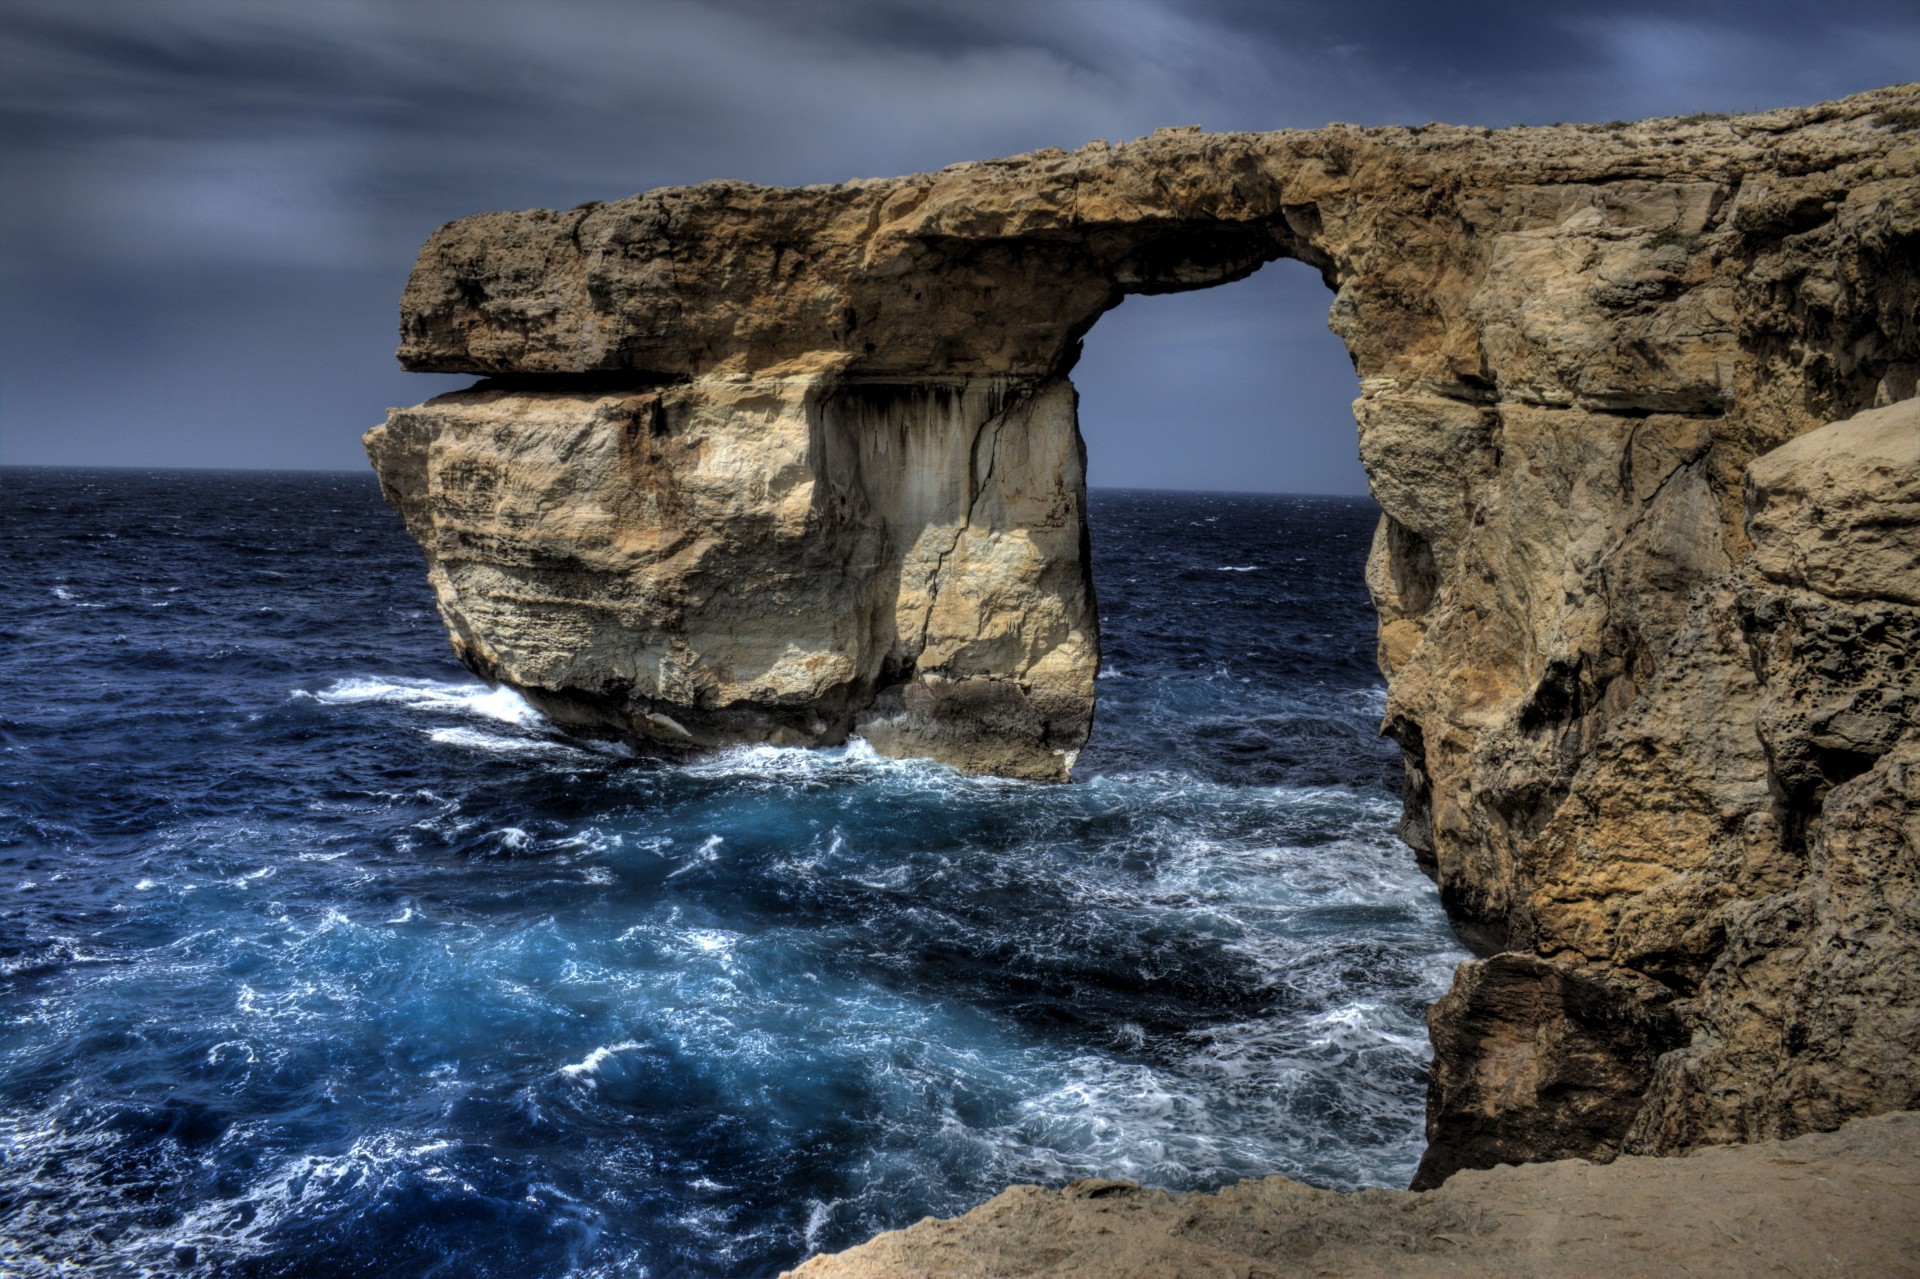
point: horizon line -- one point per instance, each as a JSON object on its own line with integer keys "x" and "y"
{"x": 368, "y": 473}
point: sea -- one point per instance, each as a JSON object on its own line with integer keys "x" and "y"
{"x": 319, "y": 957}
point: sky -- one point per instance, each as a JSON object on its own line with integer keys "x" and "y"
{"x": 208, "y": 208}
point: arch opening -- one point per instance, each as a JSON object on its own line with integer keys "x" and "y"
{"x": 1224, "y": 484}
{"x": 1228, "y": 534}
{"x": 1236, "y": 387}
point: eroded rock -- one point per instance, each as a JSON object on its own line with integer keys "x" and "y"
{"x": 787, "y": 465}
{"x": 1690, "y": 866}
{"x": 768, "y": 560}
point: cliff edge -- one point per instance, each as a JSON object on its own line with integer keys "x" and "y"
{"x": 757, "y": 464}
{"x": 1832, "y": 1203}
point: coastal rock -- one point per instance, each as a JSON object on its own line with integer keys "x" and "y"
{"x": 768, "y": 560}
{"x": 1834, "y": 511}
{"x": 1734, "y": 859}
{"x": 1830, "y": 1203}
{"x": 791, "y": 465}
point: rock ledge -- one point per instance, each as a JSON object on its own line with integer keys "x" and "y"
{"x": 1832, "y": 1203}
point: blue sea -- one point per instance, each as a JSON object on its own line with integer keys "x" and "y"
{"x": 320, "y": 958}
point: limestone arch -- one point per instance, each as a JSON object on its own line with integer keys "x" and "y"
{"x": 1571, "y": 342}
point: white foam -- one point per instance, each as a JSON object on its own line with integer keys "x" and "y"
{"x": 792, "y": 764}
{"x": 231, "y": 1048}
{"x": 507, "y": 706}
{"x": 250, "y": 1222}
{"x": 60, "y": 951}
{"x": 819, "y": 1213}
{"x": 707, "y": 852}
{"x": 501, "y": 704}
{"x": 446, "y": 697}
{"x": 1239, "y": 568}
{"x": 67, "y": 596}
{"x": 1371, "y": 702}
{"x": 494, "y": 743}
{"x": 589, "y": 1067}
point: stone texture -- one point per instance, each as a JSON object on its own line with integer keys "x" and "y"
{"x": 1831, "y": 512}
{"x": 792, "y": 464}
{"x": 1531, "y": 1055}
{"x": 768, "y": 560}
{"x": 1690, "y": 868}
{"x": 1833, "y": 1203}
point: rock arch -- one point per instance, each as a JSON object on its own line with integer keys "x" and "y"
{"x": 761, "y": 464}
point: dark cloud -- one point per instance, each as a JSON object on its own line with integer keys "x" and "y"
{"x": 207, "y": 207}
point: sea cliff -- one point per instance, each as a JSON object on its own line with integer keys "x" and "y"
{"x": 1636, "y": 401}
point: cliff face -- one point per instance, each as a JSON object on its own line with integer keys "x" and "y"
{"x": 768, "y": 559}
{"x": 787, "y": 464}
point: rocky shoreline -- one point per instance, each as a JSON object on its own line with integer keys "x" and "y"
{"x": 1636, "y": 401}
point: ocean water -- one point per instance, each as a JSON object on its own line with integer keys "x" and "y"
{"x": 318, "y": 957}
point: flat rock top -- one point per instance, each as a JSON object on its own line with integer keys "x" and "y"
{"x": 1845, "y": 1202}
{"x": 995, "y": 265}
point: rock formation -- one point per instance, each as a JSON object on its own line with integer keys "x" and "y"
{"x": 781, "y": 559}
{"x": 786, "y": 465}
{"x": 1831, "y": 1203}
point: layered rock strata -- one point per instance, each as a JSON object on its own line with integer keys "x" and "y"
{"x": 787, "y": 465}
{"x": 1715, "y": 936}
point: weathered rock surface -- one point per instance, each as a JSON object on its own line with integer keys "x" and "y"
{"x": 791, "y": 464}
{"x": 1720, "y": 921}
{"x": 768, "y": 560}
{"x": 1834, "y": 1203}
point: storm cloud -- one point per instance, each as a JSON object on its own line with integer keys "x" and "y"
{"x": 208, "y": 207}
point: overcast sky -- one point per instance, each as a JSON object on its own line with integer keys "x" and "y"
{"x": 208, "y": 207}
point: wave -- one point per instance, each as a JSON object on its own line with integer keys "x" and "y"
{"x": 67, "y": 595}
{"x": 498, "y": 743}
{"x": 474, "y": 699}
{"x": 587, "y": 1069}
